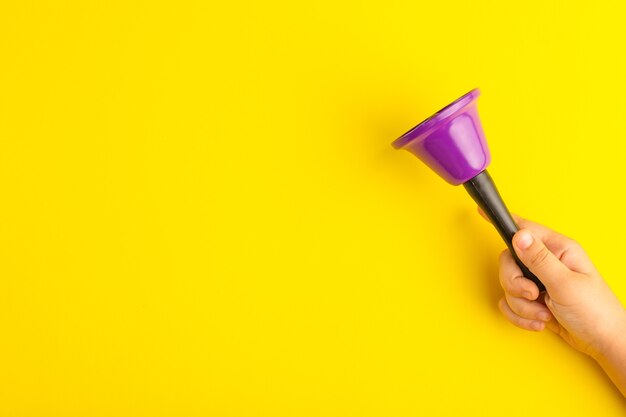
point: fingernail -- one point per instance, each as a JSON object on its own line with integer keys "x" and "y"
{"x": 536, "y": 325}
{"x": 524, "y": 239}
{"x": 543, "y": 316}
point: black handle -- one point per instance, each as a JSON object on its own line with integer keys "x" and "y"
{"x": 485, "y": 194}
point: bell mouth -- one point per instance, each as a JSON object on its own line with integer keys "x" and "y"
{"x": 449, "y": 110}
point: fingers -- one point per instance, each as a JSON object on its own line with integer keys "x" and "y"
{"x": 522, "y": 322}
{"x": 567, "y": 250}
{"x": 553, "y": 325}
{"x": 512, "y": 281}
{"x": 518, "y": 304}
{"x": 570, "y": 253}
{"x": 539, "y": 259}
{"x": 532, "y": 310}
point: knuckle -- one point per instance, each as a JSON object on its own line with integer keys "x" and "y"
{"x": 524, "y": 311}
{"x": 517, "y": 306}
{"x": 517, "y": 286}
{"x": 518, "y": 321}
{"x": 505, "y": 259}
{"x": 540, "y": 258}
{"x": 505, "y": 308}
{"x": 575, "y": 245}
{"x": 505, "y": 281}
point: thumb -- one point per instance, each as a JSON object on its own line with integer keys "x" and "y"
{"x": 538, "y": 258}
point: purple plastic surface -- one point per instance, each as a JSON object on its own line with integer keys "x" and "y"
{"x": 451, "y": 142}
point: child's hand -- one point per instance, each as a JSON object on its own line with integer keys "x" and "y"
{"x": 578, "y": 304}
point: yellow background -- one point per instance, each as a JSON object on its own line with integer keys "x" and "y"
{"x": 202, "y": 214}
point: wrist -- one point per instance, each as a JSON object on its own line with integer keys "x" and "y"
{"x": 612, "y": 344}
{"x": 611, "y": 356}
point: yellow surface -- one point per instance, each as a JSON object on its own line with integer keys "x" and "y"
{"x": 202, "y": 214}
